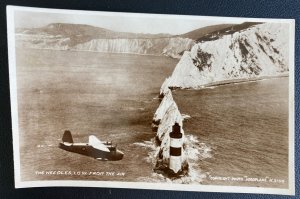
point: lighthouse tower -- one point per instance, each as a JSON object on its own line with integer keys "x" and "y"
{"x": 175, "y": 148}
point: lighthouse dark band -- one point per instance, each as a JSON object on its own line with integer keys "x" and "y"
{"x": 175, "y": 151}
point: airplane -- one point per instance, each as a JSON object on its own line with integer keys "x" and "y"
{"x": 94, "y": 148}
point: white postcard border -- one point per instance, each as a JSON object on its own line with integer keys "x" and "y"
{"x": 142, "y": 185}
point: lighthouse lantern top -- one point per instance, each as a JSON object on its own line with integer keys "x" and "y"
{"x": 176, "y": 131}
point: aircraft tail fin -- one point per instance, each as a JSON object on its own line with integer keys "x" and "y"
{"x": 67, "y": 137}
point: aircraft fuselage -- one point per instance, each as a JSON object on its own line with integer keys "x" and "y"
{"x": 88, "y": 150}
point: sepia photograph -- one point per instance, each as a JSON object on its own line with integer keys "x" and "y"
{"x": 151, "y": 101}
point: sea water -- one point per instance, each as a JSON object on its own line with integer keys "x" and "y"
{"x": 237, "y": 131}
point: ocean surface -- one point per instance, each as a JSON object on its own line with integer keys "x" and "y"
{"x": 246, "y": 127}
{"x": 236, "y": 129}
{"x": 106, "y": 95}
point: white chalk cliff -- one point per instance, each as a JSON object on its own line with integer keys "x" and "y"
{"x": 165, "y": 117}
{"x": 258, "y": 51}
{"x": 177, "y": 45}
{"x": 78, "y": 37}
{"x": 249, "y": 53}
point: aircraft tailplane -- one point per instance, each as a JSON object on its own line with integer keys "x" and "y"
{"x": 67, "y": 137}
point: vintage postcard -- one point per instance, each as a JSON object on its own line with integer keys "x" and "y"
{"x": 151, "y": 101}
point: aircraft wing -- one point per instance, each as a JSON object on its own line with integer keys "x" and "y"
{"x": 97, "y": 144}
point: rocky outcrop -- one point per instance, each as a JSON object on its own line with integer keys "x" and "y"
{"x": 164, "y": 118}
{"x": 259, "y": 51}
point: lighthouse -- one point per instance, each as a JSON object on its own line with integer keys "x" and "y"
{"x": 175, "y": 148}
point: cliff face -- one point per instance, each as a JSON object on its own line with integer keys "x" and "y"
{"x": 139, "y": 46}
{"x": 176, "y": 46}
{"x": 258, "y": 51}
{"x": 88, "y": 38}
{"x": 249, "y": 51}
{"x": 172, "y": 47}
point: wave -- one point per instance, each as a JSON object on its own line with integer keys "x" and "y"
{"x": 195, "y": 152}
